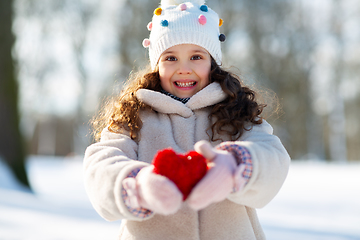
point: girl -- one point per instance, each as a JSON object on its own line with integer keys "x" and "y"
{"x": 186, "y": 101}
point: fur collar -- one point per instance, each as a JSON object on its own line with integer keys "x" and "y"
{"x": 160, "y": 102}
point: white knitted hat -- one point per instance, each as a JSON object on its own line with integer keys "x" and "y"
{"x": 176, "y": 22}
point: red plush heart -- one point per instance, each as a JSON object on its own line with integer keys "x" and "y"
{"x": 184, "y": 170}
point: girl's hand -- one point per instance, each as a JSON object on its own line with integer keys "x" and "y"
{"x": 218, "y": 181}
{"x": 153, "y": 192}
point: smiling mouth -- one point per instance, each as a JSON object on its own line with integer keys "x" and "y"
{"x": 185, "y": 84}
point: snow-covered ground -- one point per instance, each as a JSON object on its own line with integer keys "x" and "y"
{"x": 318, "y": 201}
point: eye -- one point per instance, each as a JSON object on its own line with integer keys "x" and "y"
{"x": 196, "y": 57}
{"x": 170, "y": 58}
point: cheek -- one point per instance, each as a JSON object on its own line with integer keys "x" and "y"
{"x": 205, "y": 77}
{"x": 164, "y": 73}
{"x": 164, "y": 82}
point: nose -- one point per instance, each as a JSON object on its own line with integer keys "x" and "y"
{"x": 184, "y": 68}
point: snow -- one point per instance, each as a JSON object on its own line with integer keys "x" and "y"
{"x": 59, "y": 208}
{"x": 318, "y": 201}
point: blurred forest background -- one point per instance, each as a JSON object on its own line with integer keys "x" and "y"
{"x": 60, "y": 58}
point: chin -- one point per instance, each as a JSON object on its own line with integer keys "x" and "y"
{"x": 185, "y": 96}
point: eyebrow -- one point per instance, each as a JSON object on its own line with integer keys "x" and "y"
{"x": 200, "y": 51}
{"x": 193, "y": 51}
{"x": 167, "y": 52}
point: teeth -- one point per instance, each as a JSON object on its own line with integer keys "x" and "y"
{"x": 185, "y": 84}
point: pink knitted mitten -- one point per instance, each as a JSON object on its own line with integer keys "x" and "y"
{"x": 154, "y": 192}
{"x": 218, "y": 182}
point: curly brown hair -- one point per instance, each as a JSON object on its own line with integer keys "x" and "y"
{"x": 239, "y": 108}
{"x": 232, "y": 114}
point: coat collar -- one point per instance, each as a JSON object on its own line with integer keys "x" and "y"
{"x": 208, "y": 96}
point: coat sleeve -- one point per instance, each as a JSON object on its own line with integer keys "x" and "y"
{"x": 270, "y": 167}
{"x": 106, "y": 164}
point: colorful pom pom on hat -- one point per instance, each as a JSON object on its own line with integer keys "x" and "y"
{"x": 183, "y": 22}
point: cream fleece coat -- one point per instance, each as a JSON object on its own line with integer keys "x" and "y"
{"x": 171, "y": 123}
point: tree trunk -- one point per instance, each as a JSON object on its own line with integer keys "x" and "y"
{"x": 11, "y": 142}
{"x": 337, "y": 117}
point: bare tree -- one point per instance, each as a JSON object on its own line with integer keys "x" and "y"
{"x": 11, "y": 142}
{"x": 133, "y": 19}
{"x": 336, "y": 118}
{"x": 278, "y": 50}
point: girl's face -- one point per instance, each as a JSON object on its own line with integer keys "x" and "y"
{"x": 184, "y": 70}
